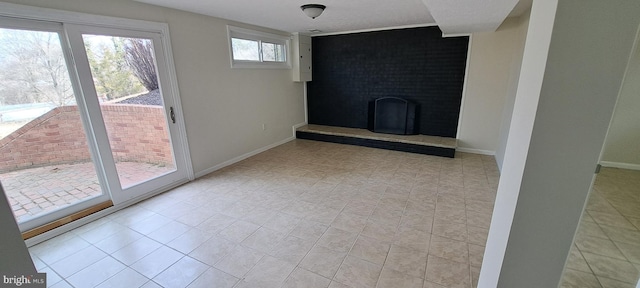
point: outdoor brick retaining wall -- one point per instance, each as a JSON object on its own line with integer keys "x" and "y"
{"x": 136, "y": 132}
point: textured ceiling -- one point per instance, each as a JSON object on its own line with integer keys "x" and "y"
{"x": 341, "y": 15}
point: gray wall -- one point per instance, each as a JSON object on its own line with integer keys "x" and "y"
{"x": 591, "y": 41}
{"x": 622, "y": 148}
{"x": 15, "y": 257}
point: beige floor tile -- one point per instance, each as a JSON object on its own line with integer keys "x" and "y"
{"x": 612, "y": 268}
{"x": 177, "y": 210}
{"x": 309, "y": 230}
{"x": 237, "y": 210}
{"x": 417, "y": 221}
{"x": 485, "y": 207}
{"x": 269, "y": 272}
{"x": 409, "y": 261}
{"x": 451, "y": 213}
{"x": 449, "y": 249}
{"x": 96, "y": 273}
{"x": 630, "y": 251}
{"x": 150, "y": 224}
{"x": 212, "y": 250}
{"x": 323, "y": 261}
{"x": 259, "y": 215}
{"x": 239, "y": 261}
{"x": 158, "y": 260}
{"x": 390, "y": 278}
{"x": 196, "y": 216}
{"x": 335, "y": 284}
{"x": 635, "y": 221}
{"x": 264, "y": 240}
{"x": 447, "y": 272}
{"x": 370, "y": 249}
{"x": 216, "y": 223}
{"x": 615, "y": 220}
{"x": 337, "y": 240}
{"x": 413, "y": 239}
{"x": 324, "y": 215}
{"x": 600, "y": 246}
{"x": 182, "y": 273}
{"x": 125, "y": 278}
{"x": 591, "y": 229}
{"x": 292, "y": 249}
{"x": 189, "y": 240}
{"x": 214, "y": 278}
{"x": 78, "y": 261}
{"x": 136, "y": 250}
{"x": 476, "y": 254}
{"x": 301, "y": 278}
{"x": 621, "y": 235}
{"x": 450, "y": 230}
{"x": 577, "y": 279}
{"x": 362, "y": 209}
{"x": 429, "y": 284}
{"x": 168, "y": 232}
{"x": 282, "y": 222}
{"x": 576, "y": 261}
{"x": 479, "y": 219}
{"x": 610, "y": 283}
{"x": 118, "y": 240}
{"x": 477, "y": 235}
{"x": 358, "y": 273}
{"x": 380, "y": 230}
{"x": 238, "y": 231}
{"x": 349, "y": 222}
{"x": 475, "y": 275}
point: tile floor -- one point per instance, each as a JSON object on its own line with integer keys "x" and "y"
{"x": 606, "y": 252}
{"x": 304, "y": 214}
{"x": 39, "y": 190}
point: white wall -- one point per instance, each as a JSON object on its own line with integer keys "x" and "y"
{"x": 540, "y": 201}
{"x": 622, "y": 147}
{"x": 494, "y": 62}
{"x": 224, "y": 108}
{"x": 512, "y": 88}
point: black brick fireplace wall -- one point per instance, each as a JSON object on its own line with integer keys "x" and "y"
{"x": 416, "y": 64}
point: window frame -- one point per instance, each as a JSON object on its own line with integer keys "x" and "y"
{"x": 260, "y": 37}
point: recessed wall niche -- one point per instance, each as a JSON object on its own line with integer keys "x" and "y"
{"x": 416, "y": 64}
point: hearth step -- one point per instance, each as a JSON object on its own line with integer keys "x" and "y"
{"x": 422, "y": 144}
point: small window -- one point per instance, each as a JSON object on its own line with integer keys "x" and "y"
{"x": 253, "y": 49}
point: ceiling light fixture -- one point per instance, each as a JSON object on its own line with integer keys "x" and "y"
{"x": 313, "y": 10}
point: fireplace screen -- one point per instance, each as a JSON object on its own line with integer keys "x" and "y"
{"x": 393, "y": 115}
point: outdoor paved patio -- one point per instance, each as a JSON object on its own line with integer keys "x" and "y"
{"x": 39, "y": 190}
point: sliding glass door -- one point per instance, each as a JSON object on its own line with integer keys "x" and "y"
{"x": 87, "y": 116}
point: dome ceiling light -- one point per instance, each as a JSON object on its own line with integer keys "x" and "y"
{"x": 313, "y": 10}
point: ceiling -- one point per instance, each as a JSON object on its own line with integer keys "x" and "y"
{"x": 453, "y": 16}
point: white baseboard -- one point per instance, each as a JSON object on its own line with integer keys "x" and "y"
{"x": 476, "y": 151}
{"x": 620, "y": 165}
{"x": 295, "y": 127}
{"x": 247, "y": 155}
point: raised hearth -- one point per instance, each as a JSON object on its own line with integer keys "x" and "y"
{"x": 422, "y": 144}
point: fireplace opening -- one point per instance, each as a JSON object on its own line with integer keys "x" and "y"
{"x": 392, "y": 115}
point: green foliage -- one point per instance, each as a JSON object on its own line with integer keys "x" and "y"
{"x": 112, "y": 76}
